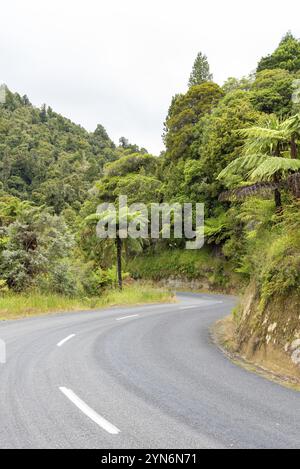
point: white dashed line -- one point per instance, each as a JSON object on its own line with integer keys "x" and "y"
{"x": 62, "y": 342}
{"x": 127, "y": 317}
{"x": 92, "y": 414}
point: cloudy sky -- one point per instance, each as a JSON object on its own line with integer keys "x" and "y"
{"x": 118, "y": 62}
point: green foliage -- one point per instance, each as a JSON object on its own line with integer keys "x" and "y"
{"x": 268, "y": 137}
{"x": 132, "y": 163}
{"x": 46, "y": 158}
{"x": 234, "y": 84}
{"x": 3, "y": 287}
{"x": 23, "y": 305}
{"x": 217, "y": 229}
{"x": 170, "y": 263}
{"x": 96, "y": 281}
{"x": 286, "y": 56}
{"x": 217, "y": 144}
{"x": 179, "y": 264}
{"x": 279, "y": 274}
{"x": 36, "y": 243}
{"x": 274, "y": 166}
{"x": 275, "y": 139}
{"x": 185, "y": 111}
{"x": 10, "y": 208}
{"x": 272, "y": 91}
{"x": 243, "y": 137}
{"x": 61, "y": 278}
{"x": 200, "y": 73}
{"x": 239, "y": 169}
{"x": 137, "y": 187}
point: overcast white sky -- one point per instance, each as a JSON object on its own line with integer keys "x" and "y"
{"x": 119, "y": 62}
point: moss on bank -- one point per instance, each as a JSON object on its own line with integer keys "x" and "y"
{"x": 211, "y": 270}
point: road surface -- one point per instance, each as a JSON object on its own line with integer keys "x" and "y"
{"x": 142, "y": 377}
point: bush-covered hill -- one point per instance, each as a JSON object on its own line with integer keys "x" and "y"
{"x": 46, "y": 158}
{"x": 234, "y": 147}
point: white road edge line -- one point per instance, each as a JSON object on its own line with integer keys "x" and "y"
{"x": 128, "y": 317}
{"x": 104, "y": 424}
{"x": 62, "y": 342}
{"x": 199, "y": 306}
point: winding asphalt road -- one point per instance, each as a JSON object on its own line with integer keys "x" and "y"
{"x": 142, "y": 377}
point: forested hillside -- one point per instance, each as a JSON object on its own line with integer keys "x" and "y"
{"x": 234, "y": 147}
{"x": 46, "y": 158}
{"x": 48, "y": 170}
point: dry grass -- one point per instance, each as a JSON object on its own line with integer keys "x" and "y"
{"x": 13, "y": 306}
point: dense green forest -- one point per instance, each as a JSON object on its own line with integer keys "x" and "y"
{"x": 234, "y": 147}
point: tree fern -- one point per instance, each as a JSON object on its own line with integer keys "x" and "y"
{"x": 242, "y": 165}
{"x": 266, "y": 138}
{"x": 293, "y": 183}
{"x": 274, "y": 166}
{"x": 292, "y": 129}
{"x": 240, "y": 193}
{"x": 217, "y": 228}
{"x": 270, "y": 158}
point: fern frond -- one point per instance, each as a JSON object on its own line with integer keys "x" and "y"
{"x": 292, "y": 125}
{"x": 217, "y": 229}
{"x": 93, "y": 218}
{"x": 275, "y": 166}
{"x": 263, "y": 133}
{"x": 242, "y": 165}
{"x": 264, "y": 138}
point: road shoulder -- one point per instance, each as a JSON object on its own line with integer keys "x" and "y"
{"x": 273, "y": 366}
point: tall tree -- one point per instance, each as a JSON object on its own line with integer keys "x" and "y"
{"x": 201, "y": 71}
{"x": 272, "y": 92}
{"x": 286, "y": 56}
{"x": 184, "y": 113}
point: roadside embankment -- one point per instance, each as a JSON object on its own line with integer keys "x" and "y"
{"x": 266, "y": 340}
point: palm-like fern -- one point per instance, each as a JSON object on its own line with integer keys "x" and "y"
{"x": 243, "y": 166}
{"x": 269, "y": 138}
{"x": 265, "y": 159}
{"x": 292, "y": 129}
{"x": 274, "y": 167}
{"x": 121, "y": 218}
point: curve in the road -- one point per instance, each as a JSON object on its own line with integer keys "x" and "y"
{"x": 143, "y": 377}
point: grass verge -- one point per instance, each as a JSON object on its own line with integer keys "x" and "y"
{"x": 14, "y": 306}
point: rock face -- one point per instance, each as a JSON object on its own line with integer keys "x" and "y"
{"x": 184, "y": 283}
{"x": 201, "y": 284}
{"x": 272, "y": 327}
{"x": 295, "y": 349}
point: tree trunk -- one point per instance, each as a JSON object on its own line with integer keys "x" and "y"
{"x": 278, "y": 202}
{"x": 294, "y": 184}
{"x": 277, "y": 193}
{"x": 293, "y": 148}
{"x": 119, "y": 261}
